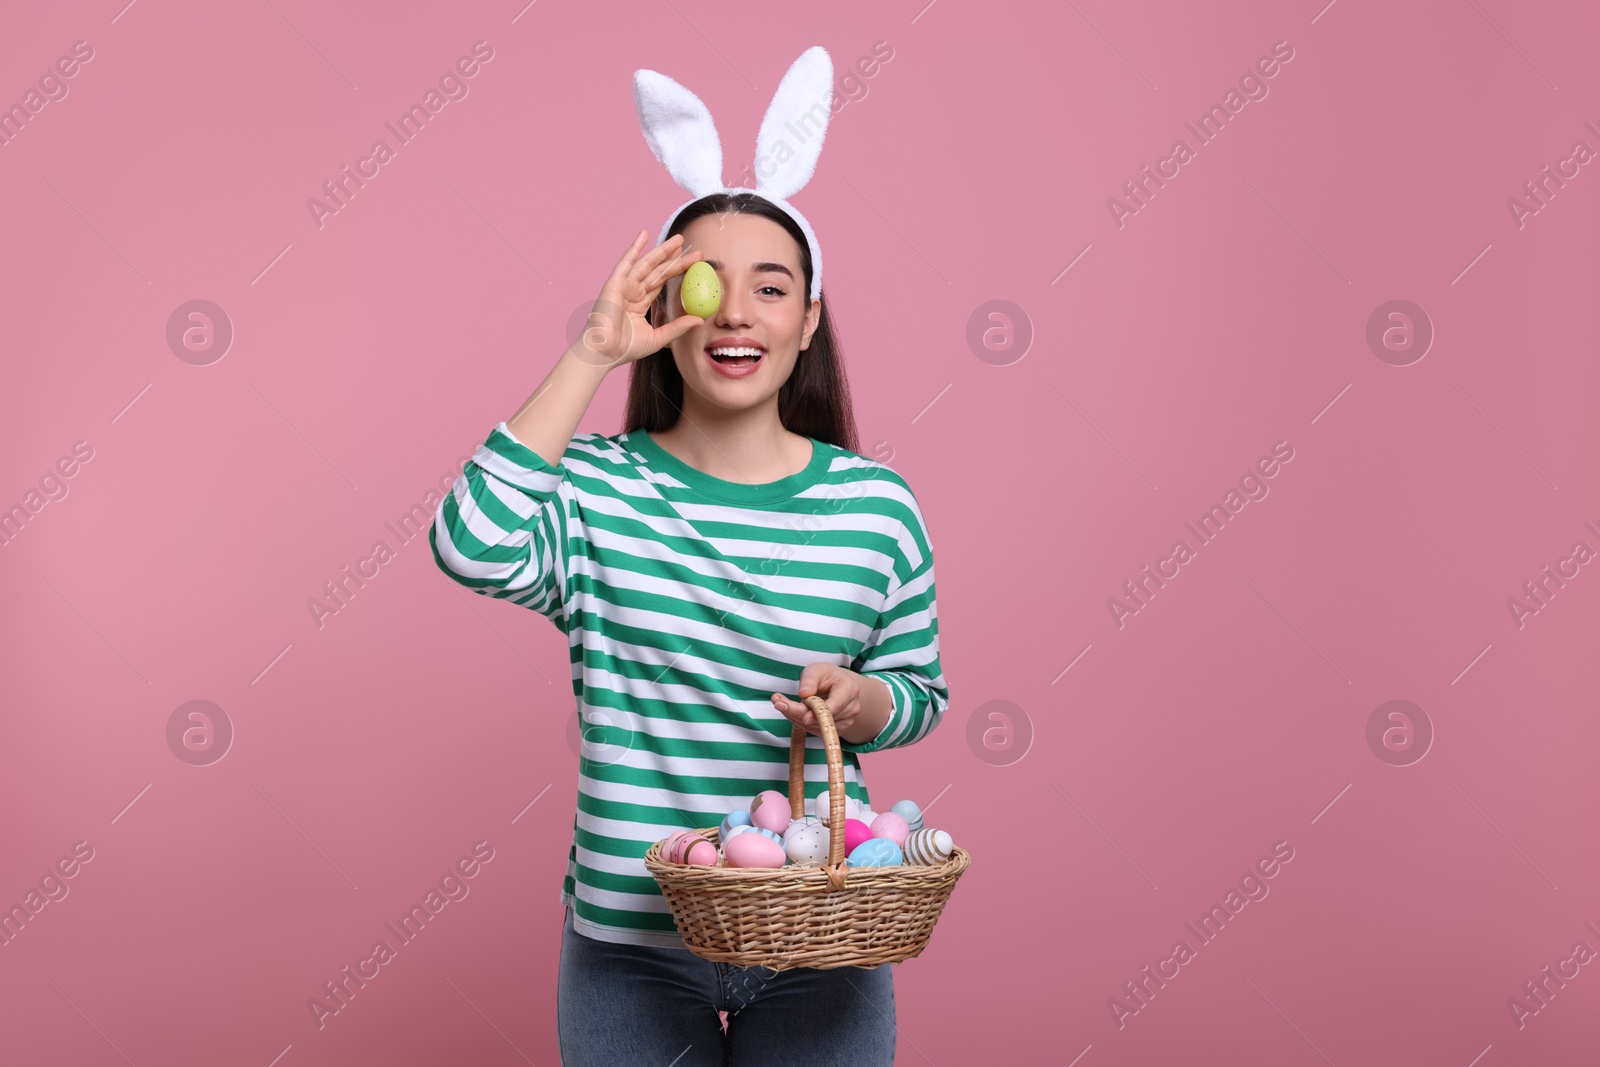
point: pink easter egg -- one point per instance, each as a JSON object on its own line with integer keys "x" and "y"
{"x": 666, "y": 845}
{"x": 855, "y": 832}
{"x": 754, "y": 850}
{"x": 682, "y": 846}
{"x": 892, "y": 826}
{"x": 770, "y": 811}
{"x": 703, "y": 854}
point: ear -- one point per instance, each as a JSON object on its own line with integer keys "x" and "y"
{"x": 813, "y": 316}
{"x": 791, "y": 133}
{"x": 679, "y": 130}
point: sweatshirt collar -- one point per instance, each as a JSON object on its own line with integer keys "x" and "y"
{"x": 734, "y": 492}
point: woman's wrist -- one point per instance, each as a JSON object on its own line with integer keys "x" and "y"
{"x": 877, "y": 702}
{"x": 592, "y": 362}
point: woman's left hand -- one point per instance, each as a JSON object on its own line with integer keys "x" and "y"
{"x": 838, "y": 686}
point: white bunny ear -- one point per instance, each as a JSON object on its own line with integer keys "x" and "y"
{"x": 679, "y": 130}
{"x": 791, "y": 133}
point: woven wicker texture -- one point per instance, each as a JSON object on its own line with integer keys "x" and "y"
{"x": 832, "y": 915}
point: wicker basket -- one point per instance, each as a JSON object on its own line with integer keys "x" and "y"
{"x": 824, "y": 916}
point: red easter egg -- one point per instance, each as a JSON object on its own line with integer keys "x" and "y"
{"x": 855, "y": 832}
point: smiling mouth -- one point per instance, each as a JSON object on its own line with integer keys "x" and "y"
{"x": 740, "y": 356}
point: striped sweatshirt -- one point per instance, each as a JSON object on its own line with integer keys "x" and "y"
{"x": 686, "y": 601}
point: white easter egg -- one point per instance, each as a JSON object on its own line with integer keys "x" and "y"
{"x": 822, "y": 807}
{"x": 806, "y": 843}
{"x": 928, "y": 846}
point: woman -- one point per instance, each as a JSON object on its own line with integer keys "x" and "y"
{"x": 726, "y": 555}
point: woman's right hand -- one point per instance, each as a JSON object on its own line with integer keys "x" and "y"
{"x": 617, "y": 332}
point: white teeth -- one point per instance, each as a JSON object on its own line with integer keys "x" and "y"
{"x": 736, "y": 352}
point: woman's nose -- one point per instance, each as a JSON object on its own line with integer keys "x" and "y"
{"x": 731, "y": 310}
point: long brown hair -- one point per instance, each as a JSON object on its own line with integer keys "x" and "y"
{"x": 815, "y": 399}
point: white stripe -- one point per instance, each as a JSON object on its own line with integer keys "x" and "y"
{"x": 610, "y": 898}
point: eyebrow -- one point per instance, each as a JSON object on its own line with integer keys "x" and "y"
{"x": 758, "y": 268}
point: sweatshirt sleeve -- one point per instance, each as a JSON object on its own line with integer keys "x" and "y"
{"x": 504, "y": 528}
{"x": 903, "y": 651}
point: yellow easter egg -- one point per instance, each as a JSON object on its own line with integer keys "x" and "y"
{"x": 702, "y": 290}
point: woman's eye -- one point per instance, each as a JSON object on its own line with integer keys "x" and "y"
{"x": 774, "y": 288}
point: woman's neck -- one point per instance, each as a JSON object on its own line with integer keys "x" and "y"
{"x": 748, "y": 447}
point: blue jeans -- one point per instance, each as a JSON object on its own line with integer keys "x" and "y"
{"x": 638, "y": 1005}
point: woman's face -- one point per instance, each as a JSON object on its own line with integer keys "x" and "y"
{"x": 764, "y": 305}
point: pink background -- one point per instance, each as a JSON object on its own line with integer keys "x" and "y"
{"x": 1114, "y": 802}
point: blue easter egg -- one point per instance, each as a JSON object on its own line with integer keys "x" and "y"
{"x": 740, "y": 817}
{"x": 876, "y": 852}
{"x": 908, "y": 810}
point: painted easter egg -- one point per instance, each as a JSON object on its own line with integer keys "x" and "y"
{"x": 928, "y": 846}
{"x": 670, "y": 850}
{"x": 679, "y": 853}
{"x": 666, "y": 843}
{"x": 738, "y": 830}
{"x": 770, "y": 809}
{"x": 754, "y": 849}
{"x": 876, "y": 852}
{"x": 684, "y": 845}
{"x": 855, "y": 832}
{"x": 806, "y": 843}
{"x": 670, "y": 841}
{"x": 702, "y": 290}
{"x": 738, "y": 817}
{"x": 891, "y": 825}
{"x": 908, "y": 810}
{"x": 801, "y": 823}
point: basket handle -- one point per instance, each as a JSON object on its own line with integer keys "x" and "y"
{"x": 835, "y": 867}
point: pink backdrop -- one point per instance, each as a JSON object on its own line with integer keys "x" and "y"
{"x": 1068, "y": 384}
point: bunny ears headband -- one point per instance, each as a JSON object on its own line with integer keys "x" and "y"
{"x": 680, "y": 132}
